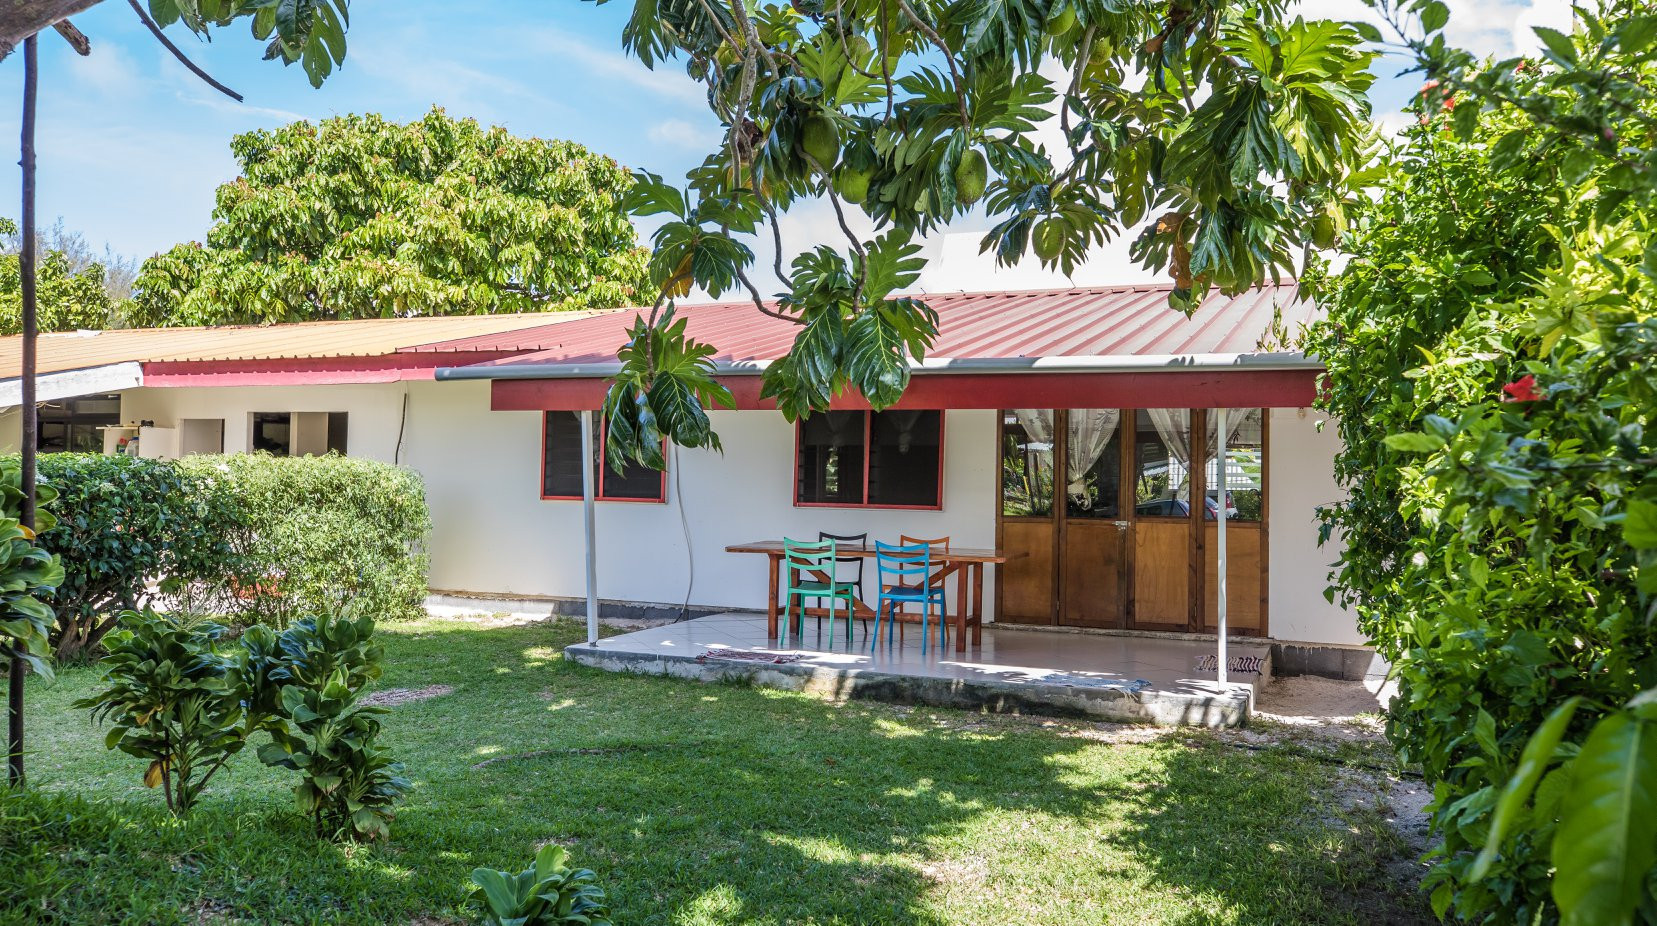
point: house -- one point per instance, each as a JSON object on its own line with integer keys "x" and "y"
{"x": 1075, "y": 429}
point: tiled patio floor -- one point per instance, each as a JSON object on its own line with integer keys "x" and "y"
{"x": 1144, "y": 678}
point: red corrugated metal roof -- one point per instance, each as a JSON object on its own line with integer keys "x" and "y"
{"x": 1092, "y": 322}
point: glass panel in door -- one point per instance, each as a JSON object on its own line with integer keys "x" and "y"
{"x": 1025, "y": 585}
{"x": 1094, "y": 535}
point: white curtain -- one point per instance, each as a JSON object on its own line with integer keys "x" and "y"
{"x": 1089, "y": 433}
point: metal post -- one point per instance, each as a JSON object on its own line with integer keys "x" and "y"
{"x": 589, "y": 513}
{"x": 1219, "y": 535}
{"x": 26, "y": 273}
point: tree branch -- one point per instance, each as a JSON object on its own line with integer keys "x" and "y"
{"x": 161, "y": 37}
{"x": 949, "y": 56}
{"x": 75, "y": 37}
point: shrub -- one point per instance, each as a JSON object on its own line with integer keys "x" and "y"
{"x": 28, "y": 573}
{"x": 187, "y": 704}
{"x": 315, "y": 527}
{"x": 317, "y": 667}
{"x": 173, "y": 700}
{"x": 125, "y": 523}
{"x": 1489, "y": 351}
{"x": 547, "y": 893}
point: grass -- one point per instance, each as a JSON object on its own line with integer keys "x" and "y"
{"x": 701, "y": 804}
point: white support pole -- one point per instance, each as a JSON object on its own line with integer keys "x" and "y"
{"x": 1219, "y": 535}
{"x": 589, "y": 514}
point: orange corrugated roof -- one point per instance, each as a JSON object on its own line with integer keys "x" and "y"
{"x": 76, "y": 350}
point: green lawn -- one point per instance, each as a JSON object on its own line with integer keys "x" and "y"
{"x": 701, "y": 804}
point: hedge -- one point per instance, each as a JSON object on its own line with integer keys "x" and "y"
{"x": 123, "y": 522}
{"x": 320, "y": 532}
{"x": 249, "y": 537}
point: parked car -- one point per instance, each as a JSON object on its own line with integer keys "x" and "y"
{"x": 1180, "y": 508}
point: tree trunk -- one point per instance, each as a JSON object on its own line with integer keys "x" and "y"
{"x": 21, "y": 19}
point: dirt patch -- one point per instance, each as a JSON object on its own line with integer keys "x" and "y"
{"x": 391, "y": 697}
{"x": 1309, "y": 701}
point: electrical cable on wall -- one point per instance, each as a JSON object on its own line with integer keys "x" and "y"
{"x": 402, "y": 425}
{"x": 690, "y": 551}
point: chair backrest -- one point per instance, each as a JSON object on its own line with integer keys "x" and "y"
{"x": 847, "y": 542}
{"x": 939, "y": 542}
{"x": 806, "y": 554}
{"x": 900, "y": 564}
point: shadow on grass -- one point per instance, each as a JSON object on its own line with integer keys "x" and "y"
{"x": 712, "y": 804}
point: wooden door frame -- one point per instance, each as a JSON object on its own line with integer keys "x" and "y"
{"x": 1126, "y": 506}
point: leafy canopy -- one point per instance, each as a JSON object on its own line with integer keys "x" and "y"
{"x": 361, "y": 217}
{"x": 67, "y": 296}
{"x": 1490, "y": 351}
{"x": 1231, "y": 129}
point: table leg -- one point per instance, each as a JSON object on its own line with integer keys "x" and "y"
{"x": 961, "y": 609}
{"x": 771, "y": 601}
{"x": 977, "y": 604}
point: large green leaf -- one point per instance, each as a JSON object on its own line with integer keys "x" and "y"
{"x": 1539, "y": 752}
{"x": 1607, "y": 838}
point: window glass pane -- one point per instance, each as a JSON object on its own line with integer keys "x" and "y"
{"x": 635, "y": 481}
{"x": 903, "y": 461}
{"x": 830, "y": 465}
{"x": 1162, "y": 455}
{"x": 1027, "y": 462}
{"x": 561, "y": 466}
{"x": 1245, "y": 456}
{"x": 1093, "y": 465}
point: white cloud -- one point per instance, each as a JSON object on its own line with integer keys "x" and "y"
{"x": 684, "y": 134}
{"x": 668, "y": 81}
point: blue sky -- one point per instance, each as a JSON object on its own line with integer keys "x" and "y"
{"x": 132, "y": 146}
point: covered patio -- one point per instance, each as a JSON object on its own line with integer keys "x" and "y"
{"x": 1099, "y": 444}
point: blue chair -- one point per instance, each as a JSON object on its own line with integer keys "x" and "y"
{"x": 905, "y": 573}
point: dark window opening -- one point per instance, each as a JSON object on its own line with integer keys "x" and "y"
{"x": 297, "y": 434}
{"x": 76, "y": 425}
{"x": 561, "y": 470}
{"x": 876, "y": 459}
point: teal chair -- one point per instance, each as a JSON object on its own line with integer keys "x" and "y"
{"x": 807, "y": 564}
{"x": 905, "y": 574}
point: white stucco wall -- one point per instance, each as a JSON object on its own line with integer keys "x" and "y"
{"x": 493, "y": 534}
{"x": 374, "y": 411}
{"x": 1302, "y": 474}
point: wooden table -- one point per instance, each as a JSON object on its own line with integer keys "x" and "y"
{"x": 966, "y": 564}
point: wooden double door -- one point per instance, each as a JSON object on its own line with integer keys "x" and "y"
{"x": 1103, "y": 506}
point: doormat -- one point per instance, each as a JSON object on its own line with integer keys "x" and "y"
{"x": 742, "y": 655}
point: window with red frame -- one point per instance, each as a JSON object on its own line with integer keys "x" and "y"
{"x": 561, "y": 465}
{"x": 890, "y": 459}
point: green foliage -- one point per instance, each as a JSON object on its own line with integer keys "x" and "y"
{"x": 67, "y": 297}
{"x": 1233, "y": 129}
{"x": 1490, "y": 351}
{"x": 360, "y": 217}
{"x": 314, "y": 530}
{"x": 317, "y": 667}
{"x": 125, "y": 523}
{"x": 179, "y": 698}
{"x": 170, "y": 700}
{"x": 310, "y": 33}
{"x": 28, "y": 573}
{"x": 545, "y": 894}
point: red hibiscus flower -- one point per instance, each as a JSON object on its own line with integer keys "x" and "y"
{"x": 1523, "y": 389}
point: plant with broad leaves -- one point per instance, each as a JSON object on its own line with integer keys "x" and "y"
{"x": 1233, "y": 130}
{"x": 29, "y": 574}
{"x": 315, "y": 670}
{"x": 547, "y": 894}
{"x": 310, "y": 33}
{"x": 172, "y": 699}
{"x": 1490, "y": 359}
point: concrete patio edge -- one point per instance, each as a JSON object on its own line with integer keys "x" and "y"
{"x": 1118, "y": 704}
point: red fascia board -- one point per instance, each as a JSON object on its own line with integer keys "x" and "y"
{"x": 1171, "y": 389}
{"x": 302, "y": 371}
